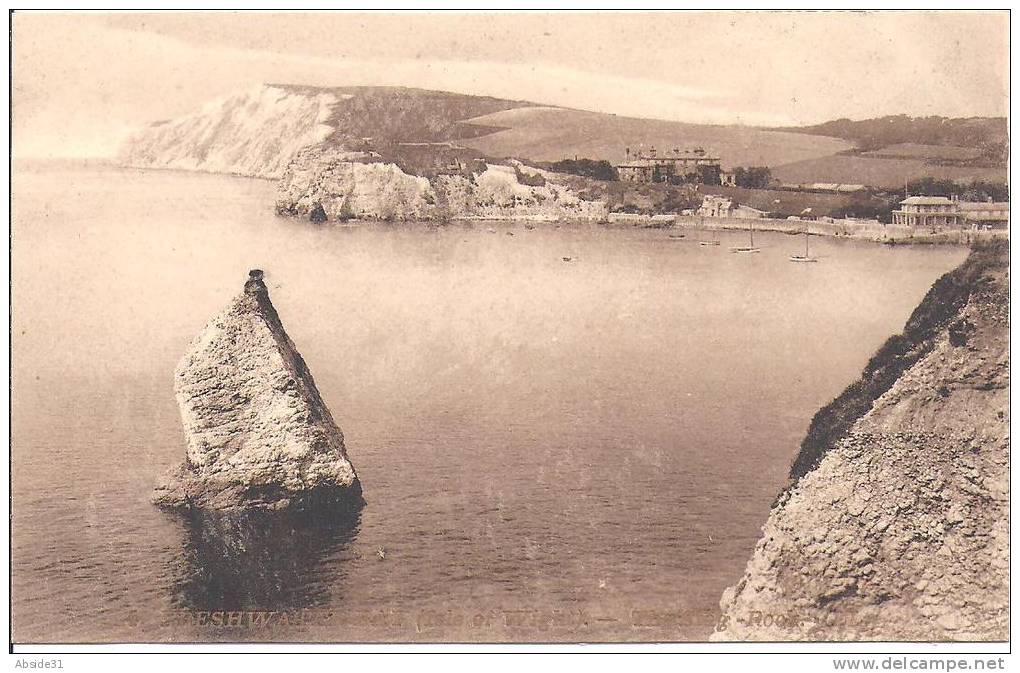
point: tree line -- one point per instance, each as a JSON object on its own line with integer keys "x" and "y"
{"x": 599, "y": 169}
{"x": 976, "y": 190}
{"x": 752, "y": 177}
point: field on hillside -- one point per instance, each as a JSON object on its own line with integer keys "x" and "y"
{"x": 551, "y": 134}
{"x": 919, "y": 151}
{"x": 987, "y": 133}
{"x": 879, "y": 172}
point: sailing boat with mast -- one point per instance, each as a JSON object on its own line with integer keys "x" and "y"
{"x": 749, "y": 248}
{"x": 806, "y": 257}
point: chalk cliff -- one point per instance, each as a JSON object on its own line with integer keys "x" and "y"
{"x": 896, "y": 526}
{"x": 258, "y": 131}
{"x": 348, "y": 184}
{"x": 259, "y": 436}
{"x": 253, "y": 133}
{"x": 343, "y": 184}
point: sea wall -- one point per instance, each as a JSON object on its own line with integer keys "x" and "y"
{"x": 895, "y": 526}
{"x": 859, "y": 229}
{"x": 866, "y": 230}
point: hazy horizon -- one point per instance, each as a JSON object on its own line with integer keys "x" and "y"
{"x": 83, "y": 81}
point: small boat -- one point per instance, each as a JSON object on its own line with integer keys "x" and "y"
{"x": 806, "y": 257}
{"x": 676, "y": 236}
{"x": 748, "y": 248}
{"x": 712, "y": 241}
{"x": 568, "y": 259}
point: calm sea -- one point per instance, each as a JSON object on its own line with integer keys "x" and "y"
{"x": 550, "y": 450}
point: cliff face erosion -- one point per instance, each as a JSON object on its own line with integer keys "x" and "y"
{"x": 361, "y": 152}
{"x": 259, "y": 435}
{"x": 254, "y": 133}
{"x": 341, "y": 185}
{"x": 896, "y": 526}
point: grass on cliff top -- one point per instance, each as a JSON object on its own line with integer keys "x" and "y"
{"x": 981, "y": 272}
{"x": 402, "y": 115}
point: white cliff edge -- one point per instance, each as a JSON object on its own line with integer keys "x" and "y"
{"x": 254, "y": 133}
{"x": 329, "y": 184}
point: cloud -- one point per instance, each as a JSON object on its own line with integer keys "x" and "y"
{"x": 83, "y": 97}
{"x": 80, "y": 85}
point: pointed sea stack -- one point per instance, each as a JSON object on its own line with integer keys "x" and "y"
{"x": 259, "y": 435}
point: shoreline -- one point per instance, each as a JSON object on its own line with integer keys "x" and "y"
{"x": 870, "y": 232}
{"x": 888, "y": 234}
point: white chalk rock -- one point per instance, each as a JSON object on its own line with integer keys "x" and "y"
{"x": 259, "y": 435}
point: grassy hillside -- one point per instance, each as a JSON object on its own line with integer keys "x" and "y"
{"x": 875, "y": 171}
{"x": 890, "y": 150}
{"x": 493, "y": 127}
{"x": 989, "y": 133}
{"x": 403, "y": 115}
{"x": 794, "y": 155}
{"x": 550, "y": 134}
{"x": 427, "y": 132}
{"x": 921, "y": 151}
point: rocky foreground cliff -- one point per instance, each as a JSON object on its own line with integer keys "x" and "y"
{"x": 259, "y": 436}
{"x": 896, "y": 526}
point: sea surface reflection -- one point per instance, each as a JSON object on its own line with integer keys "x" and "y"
{"x": 263, "y": 560}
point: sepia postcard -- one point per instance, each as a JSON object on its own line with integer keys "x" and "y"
{"x": 497, "y": 328}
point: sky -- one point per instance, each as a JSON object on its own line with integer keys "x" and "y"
{"x": 83, "y": 81}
